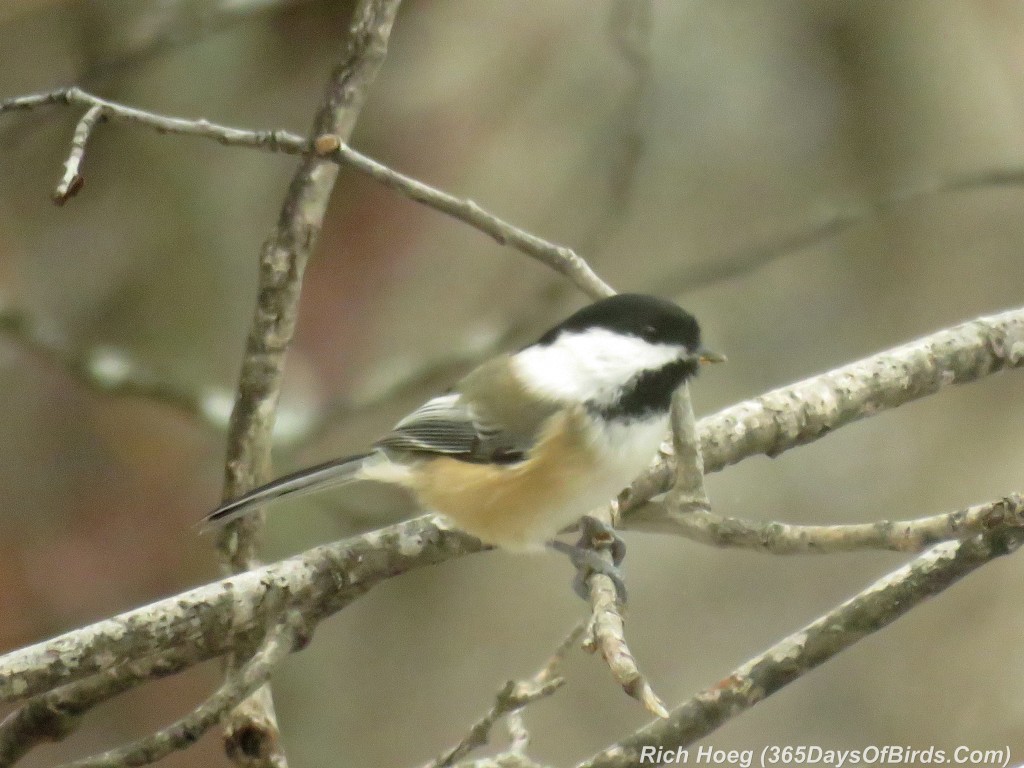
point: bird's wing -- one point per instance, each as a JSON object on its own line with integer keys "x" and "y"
{"x": 450, "y": 425}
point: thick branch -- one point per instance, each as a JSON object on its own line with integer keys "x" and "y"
{"x": 55, "y": 715}
{"x": 279, "y": 642}
{"x": 808, "y": 410}
{"x": 872, "y": 609}
{"x": 282, "y": 263}
{"x": 207, "y": 621}
{"x": 329, "y": 577}
{"x": 283, "y": 260}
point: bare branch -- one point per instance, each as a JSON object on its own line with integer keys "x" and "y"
{"x": 691, "y": 278}
{"x": 606, "y": 630}
{"x": 776, "y": 538}
{"x": 512, "y": 697}
{"x": 55, "y": 715}
{"x": 688, "y": 491}
{"x": 560, "y": 258}
{"x": 808, "y": 410}
{"x": 206, "y": 622}
{"x": 274, "y": 141}
{"x": 72, "y": 180}
{"x": 869, "y": 611}
{"x": 329, "y": 145}
{"x": 282, "y": 264}
{"x": 327, "y": 578}
{"x": 508, "y": 702}
{"x": 608, "y": 636}
{"x": 279, "y": 642}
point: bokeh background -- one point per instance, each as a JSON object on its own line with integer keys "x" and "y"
{"x": 688, "y": 155}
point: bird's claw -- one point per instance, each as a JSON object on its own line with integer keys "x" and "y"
{"x": 586, "y": 558}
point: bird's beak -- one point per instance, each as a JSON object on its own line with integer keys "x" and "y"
{"x": 705, "y": 356}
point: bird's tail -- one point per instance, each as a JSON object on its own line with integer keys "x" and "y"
{"x": 326, "y": 475}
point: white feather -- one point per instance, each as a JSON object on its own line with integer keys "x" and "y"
{"x": 593, "y": 365}
{"x": 623, "y": 451}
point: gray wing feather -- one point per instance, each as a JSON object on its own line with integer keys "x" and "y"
{"x": 448, "y": 425}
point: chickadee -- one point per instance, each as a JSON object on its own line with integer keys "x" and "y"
{"x": 527, "y": 443}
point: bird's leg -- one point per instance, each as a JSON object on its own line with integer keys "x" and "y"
{"x": 585, "y": 557}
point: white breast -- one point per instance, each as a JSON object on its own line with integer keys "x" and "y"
{"x": 622, "y": 450}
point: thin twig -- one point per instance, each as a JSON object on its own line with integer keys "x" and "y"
{"x": 688, "y": 491}
{"x": 508, "y": 702}
{"x": 71, "y": 182}
{"x": 274, "y": 141}
{"x": 607, "y": 628}
{"x": 869, "y": 611}
{"x": 329, "y": 145}
{"x": 776, "y": 538}
{"x": 607, "y": 635}
{"x": 560, "y": 258}
{"x": 692, "y": 278}
{"x": 279, "y": 642}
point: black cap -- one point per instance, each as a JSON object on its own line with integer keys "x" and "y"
{"x": 634, "y": 314}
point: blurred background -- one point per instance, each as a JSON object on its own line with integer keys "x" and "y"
{"x": 685, "y": 148}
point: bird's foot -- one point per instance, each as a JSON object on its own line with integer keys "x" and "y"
{"x": 595, "y": 535}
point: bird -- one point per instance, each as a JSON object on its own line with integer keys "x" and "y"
{"x": 529, "y": 442}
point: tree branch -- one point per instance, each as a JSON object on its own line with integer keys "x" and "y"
{"x": 509, "y": 701}
{"x": 776, "y": 538}
{"x": 326, "y": 578}
{"x": 282, "y": 264}
{"x": 688, "y": 490}
{"x": 72, "y": 180}
{"x": 329, "y": 145}
{"x": 279, "y": 642}
{"x": 208, "y": 621}
{"x": 55, "y": 715}
{"x": 869, "y": 611}
{"x": 808, "y": 410}
{"x": 607, "y": 635}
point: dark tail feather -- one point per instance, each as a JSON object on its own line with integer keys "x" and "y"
{"x": 326, "y": 475}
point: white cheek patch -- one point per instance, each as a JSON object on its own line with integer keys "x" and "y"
{"x": 593, "y": 365}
